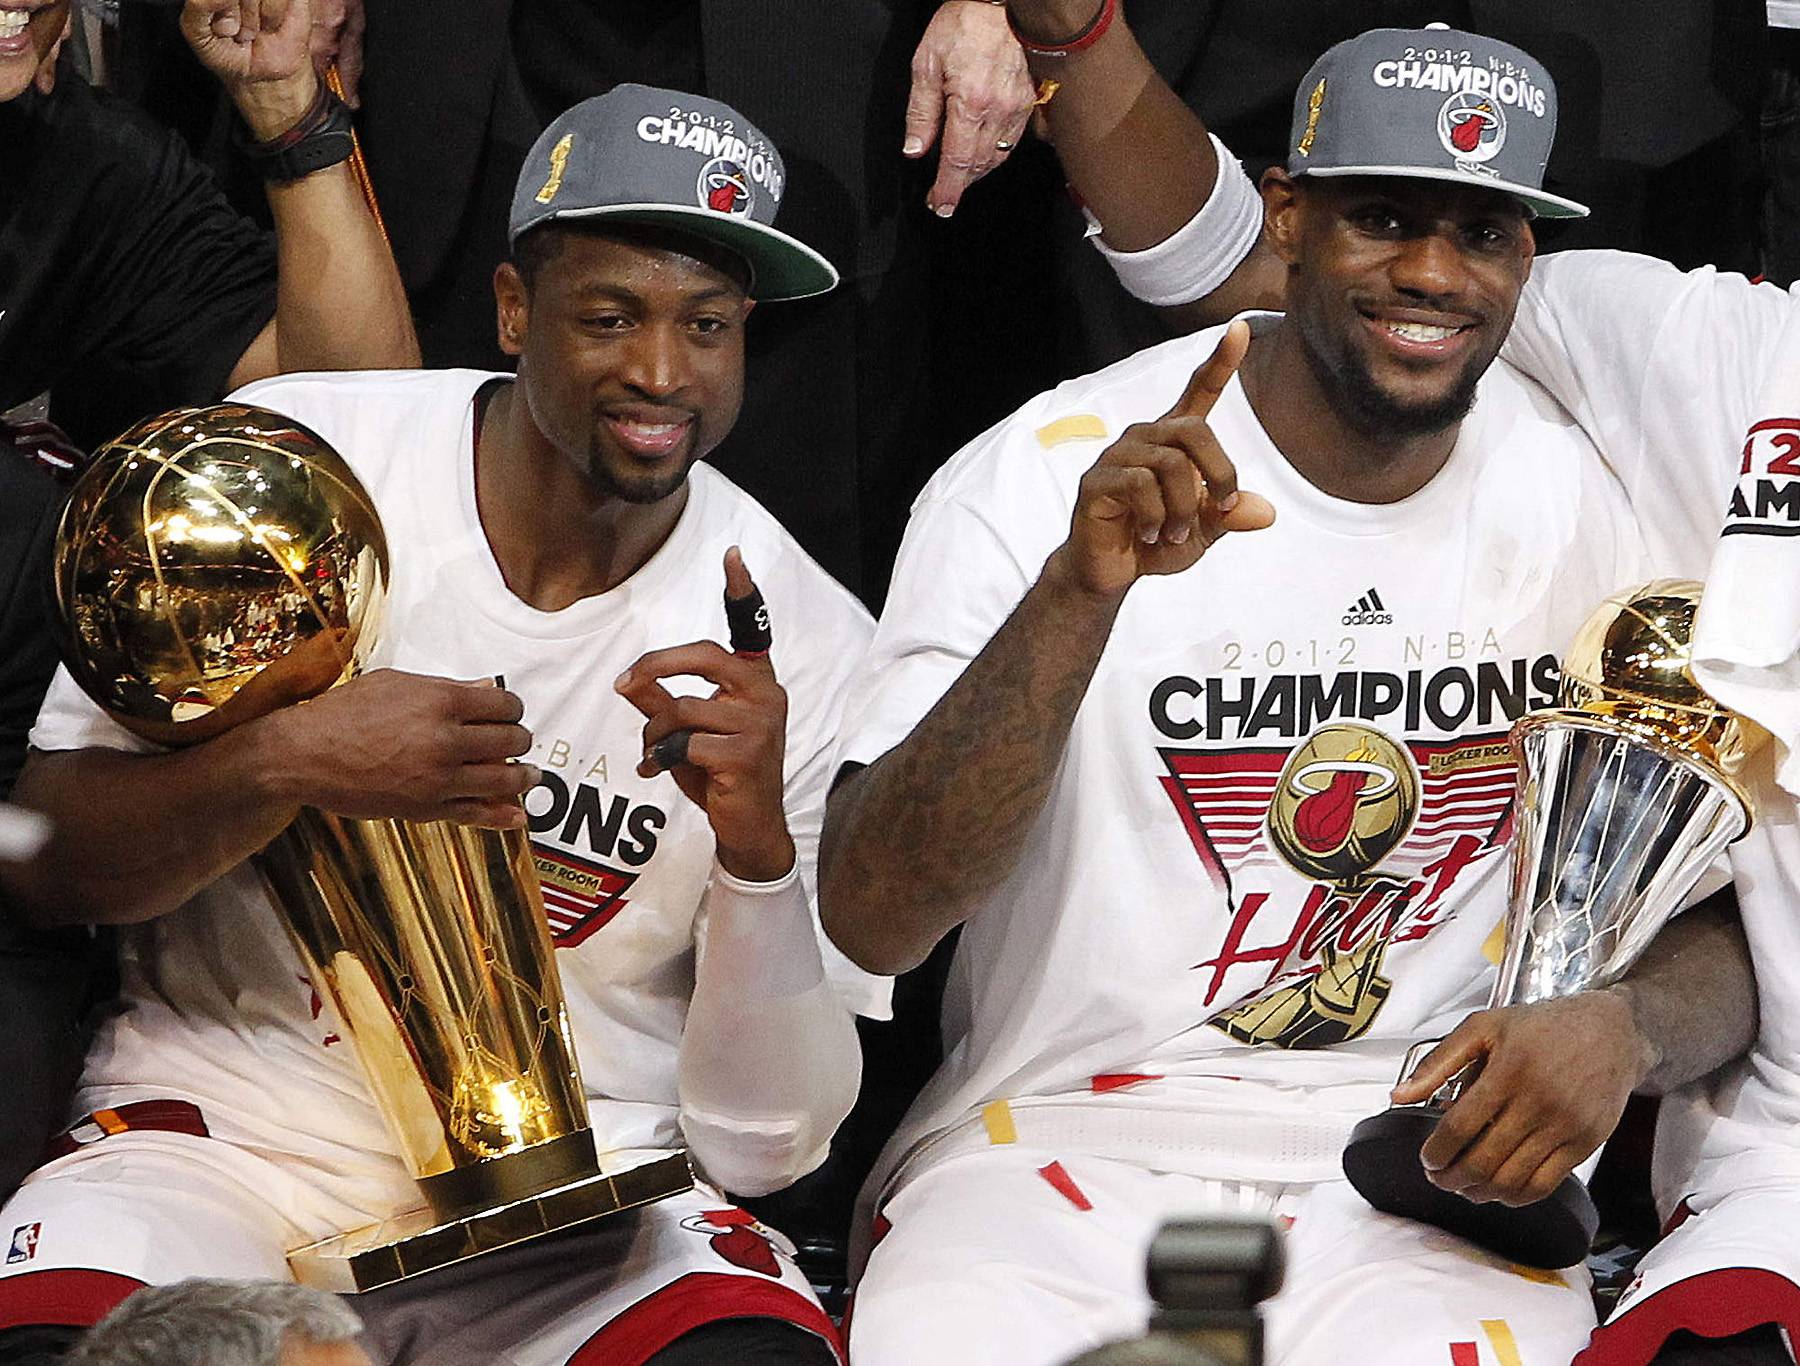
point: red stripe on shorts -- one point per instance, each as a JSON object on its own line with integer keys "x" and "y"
{"x": 692, "y": 1301}
{"x": 162, "y": 1116}
{"x": 1714, "y": 1304}
{"x": 1065, "y": 1185}
{"x": 64, "y": 1299}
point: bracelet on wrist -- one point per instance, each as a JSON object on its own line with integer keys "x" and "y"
{"x": 1086, "y": 38}
{"x": 321, "y": 138}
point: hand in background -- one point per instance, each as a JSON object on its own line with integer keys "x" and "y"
{"x": 969, "y": 83}
{"x": 261, "y": 51}
{"x": 337, "y": 36}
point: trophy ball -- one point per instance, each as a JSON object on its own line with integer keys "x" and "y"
{"x": 212, "y": 565}
{"x": 1632, "y": 661}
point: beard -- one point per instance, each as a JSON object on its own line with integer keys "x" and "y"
{"x": 642, "y": 487}
{"x": 1372, "y": 411}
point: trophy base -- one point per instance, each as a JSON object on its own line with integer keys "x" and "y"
{"x": 1382, "y": 1162}
{"x": 417, "y": 1241}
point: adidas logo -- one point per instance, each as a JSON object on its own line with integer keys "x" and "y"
{"x": 1368, "y": 610}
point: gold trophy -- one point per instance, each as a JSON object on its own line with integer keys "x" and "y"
{"x": 212, "y": 565}
{"x": 1628, "y": 790}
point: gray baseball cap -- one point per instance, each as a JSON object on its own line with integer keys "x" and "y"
{"x": 1430, "y": 104}
{"x": 641, "y": 155}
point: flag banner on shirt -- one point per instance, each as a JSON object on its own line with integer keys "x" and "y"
{"x": 1747, "y": 639}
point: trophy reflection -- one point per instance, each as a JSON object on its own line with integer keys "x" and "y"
{"x": 1628, "y": 790}
{"x": 213, "y": 565}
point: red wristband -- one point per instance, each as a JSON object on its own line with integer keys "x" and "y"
{"x": 1079, "y": 43}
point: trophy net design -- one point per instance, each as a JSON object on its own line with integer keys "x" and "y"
{"x": 214, "y": 565}
{"x": 1628, "y": 790}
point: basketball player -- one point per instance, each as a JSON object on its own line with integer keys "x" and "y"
{"x": 1678, "y": 378}
{"x": 554, "y": 530}
{"x": 1189, "y": 703}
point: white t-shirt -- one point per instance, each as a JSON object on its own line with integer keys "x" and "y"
{"x": 218, "y": 1009}
{"x": 1699, "y": 372}
{"x": 1340, "y": 685}
{"x": 1784, "y": 13}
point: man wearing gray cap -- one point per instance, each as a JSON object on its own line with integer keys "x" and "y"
{"x": 1685, "y": 382}
{"x": 1216, "y": 781}
{"x": 553, "y": 531}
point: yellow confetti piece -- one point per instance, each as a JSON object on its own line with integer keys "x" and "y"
{"x": 1506, "y": 1349}
{"x": 997, "y": 1116}
{"x": 1494, "y": 948}
{"x": 1539, "y": 1275}
{"x": 1079, "y": 427}
{"x": 109, "y": 1122}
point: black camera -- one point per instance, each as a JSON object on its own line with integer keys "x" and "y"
{"x": 1207, "y": 1277}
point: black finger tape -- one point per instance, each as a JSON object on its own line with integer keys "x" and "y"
{"x": 672, "y": 750}
{"x": 748, "y": 620}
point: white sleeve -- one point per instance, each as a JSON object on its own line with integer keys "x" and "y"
{"x": 69, "y": 719}
{"x": 1661, "y": 368}
{"x": 816, "y": 659}
{"x": 1201, "y": 254}
{"x": 770, "y": 1061}
{"x": 955, "y": 583}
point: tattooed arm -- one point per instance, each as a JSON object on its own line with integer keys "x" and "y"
{"x": 913, "y": 843}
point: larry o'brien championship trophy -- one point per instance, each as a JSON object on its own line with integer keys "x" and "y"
{"x": 217, "y": 563}
{"x": 1627, "y": 792}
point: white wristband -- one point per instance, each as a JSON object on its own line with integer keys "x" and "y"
{"x": 1202, "y": 253}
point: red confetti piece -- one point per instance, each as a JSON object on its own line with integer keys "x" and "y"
{"x": 1464, "y": 1354}
{"x": 1065, "y": 1185}
{"x": 1118, "y": 1081}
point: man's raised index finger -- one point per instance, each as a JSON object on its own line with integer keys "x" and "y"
{"x": 1214, "y": 373}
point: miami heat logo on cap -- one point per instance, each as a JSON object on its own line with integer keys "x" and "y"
{"x": 1347, "y": 795}
{"x": 1472, "y": 128}
{"x": 725, "y": 187}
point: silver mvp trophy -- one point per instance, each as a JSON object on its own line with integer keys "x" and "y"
{"x": 1627, "y": 791}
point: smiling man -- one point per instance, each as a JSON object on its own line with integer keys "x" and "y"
{"x": 1189, "y": 704}
{"x": 554, "y": 530}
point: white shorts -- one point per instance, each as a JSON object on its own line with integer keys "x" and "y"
{"x": 1731, "y": 1267}
{"x": 1012, "y": 1255}
{"x": 150, "y": 1208}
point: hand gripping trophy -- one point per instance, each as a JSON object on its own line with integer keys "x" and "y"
{"x": 1628, "y": 790}
{"x": 213, "y": 565}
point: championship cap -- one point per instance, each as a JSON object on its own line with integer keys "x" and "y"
{"x": 641, "y": 155}
{"x": 1430, "y": 104}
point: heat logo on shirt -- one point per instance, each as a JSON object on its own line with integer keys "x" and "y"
{"x": 737, "y": 1237}
{"x": 1381, "y": 831}
{"x": 1766, "y": 501}
{"x": 24, "y": 1243}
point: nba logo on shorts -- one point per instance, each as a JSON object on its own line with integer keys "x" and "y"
{"x": 24, "y": 1243}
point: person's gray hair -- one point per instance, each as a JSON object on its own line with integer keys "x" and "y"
{"x": 214, "y": 1323}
